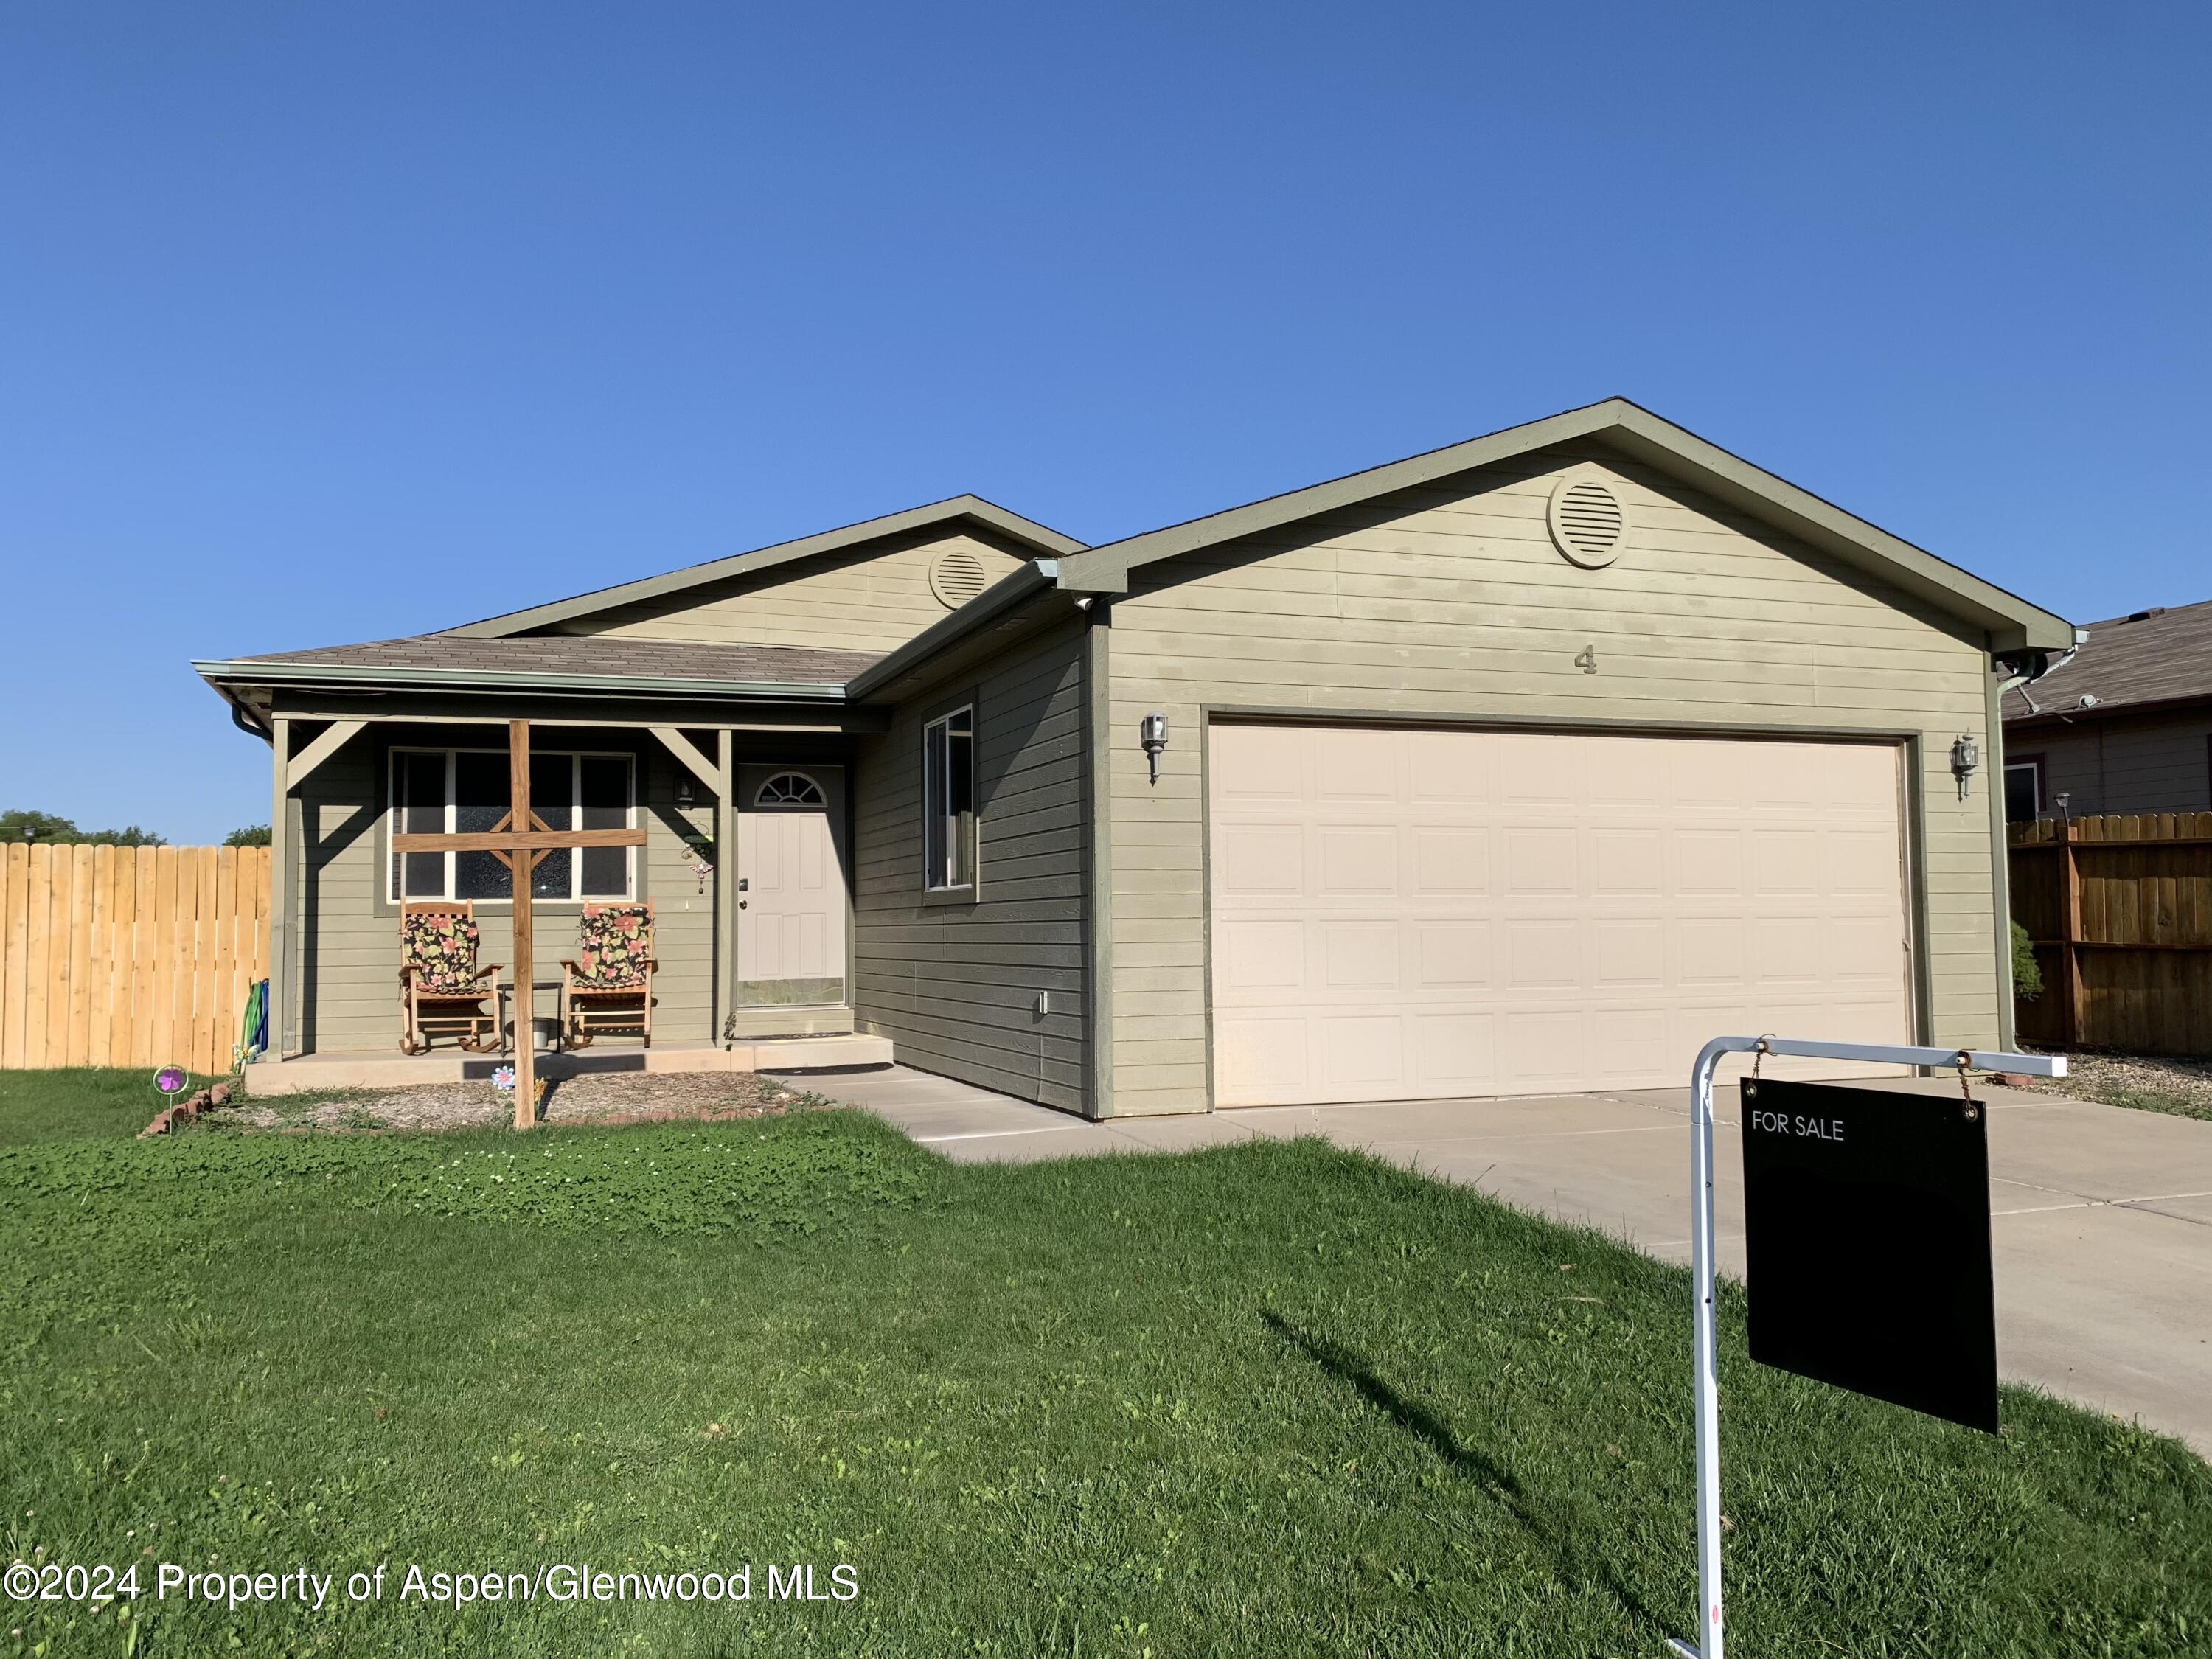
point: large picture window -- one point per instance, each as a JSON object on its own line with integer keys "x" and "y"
{"x": 462, "y": 791}
{"x": 948, "y": 798}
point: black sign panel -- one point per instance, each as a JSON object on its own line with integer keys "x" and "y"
{"x": 1867, "y": 1217}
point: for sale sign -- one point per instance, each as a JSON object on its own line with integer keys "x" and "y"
{"x": 1868, "y": 1220}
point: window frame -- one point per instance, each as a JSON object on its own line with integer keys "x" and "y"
{"x": 2032, "y": 765}
{"x": 395, "y": 757}
{"x": 934, "y": 890}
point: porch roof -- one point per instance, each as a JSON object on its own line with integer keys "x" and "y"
{"x": 556, "y": 662}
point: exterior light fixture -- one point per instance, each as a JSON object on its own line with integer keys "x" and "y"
{"x": 1154, "y": 732}
{"x": 684, "y": 795}
{"x": 1965, "y": 756}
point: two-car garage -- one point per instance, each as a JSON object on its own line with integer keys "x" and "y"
{"x": 1425, "y": 912}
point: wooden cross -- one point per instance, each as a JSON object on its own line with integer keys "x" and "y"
{"x": 518, "y": 841}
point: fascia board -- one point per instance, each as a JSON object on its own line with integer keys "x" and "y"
{"x": 220, "y": 674}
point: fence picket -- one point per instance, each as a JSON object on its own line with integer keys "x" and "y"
{"x": 78, "y": 1035}
{"x": 39, "y": 895}
{"x": 16, "y": 976}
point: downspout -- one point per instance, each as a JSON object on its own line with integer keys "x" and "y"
{"x": 2000, "y": 837}
{"x": 246, "y": 724}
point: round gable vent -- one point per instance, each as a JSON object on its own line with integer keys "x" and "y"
{"x": 1588, "y": 521}
{"x": 957, "y": 577}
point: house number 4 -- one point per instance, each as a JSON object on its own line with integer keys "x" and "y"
{"x": 1587, "y": 661}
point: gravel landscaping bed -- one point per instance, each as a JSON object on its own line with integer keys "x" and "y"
{"x": 601, "y": 1097}
{"x": 2151, "y": 1083}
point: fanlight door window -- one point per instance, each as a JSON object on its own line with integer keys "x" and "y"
{"x": 788, "y": 789}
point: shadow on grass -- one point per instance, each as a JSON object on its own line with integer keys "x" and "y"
{"x": 1471, "y": 1463}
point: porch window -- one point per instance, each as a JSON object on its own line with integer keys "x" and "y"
{"x": 948, "y": 795}
{"x": 2023, "y": 787}
{"x": 461, "y": 790}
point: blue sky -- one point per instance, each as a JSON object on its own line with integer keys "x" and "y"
{"x": 321, "y": 324}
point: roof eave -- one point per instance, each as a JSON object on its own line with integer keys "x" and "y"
{"x": 994, "y": 601}
{"x": 2104, "y": 710}
{"x": 223, "y": 674}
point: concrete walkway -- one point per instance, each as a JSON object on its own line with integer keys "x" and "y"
{"x": 2103, "y": 1217}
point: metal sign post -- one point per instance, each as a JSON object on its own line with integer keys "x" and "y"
{"x": 1705, "y": 1363}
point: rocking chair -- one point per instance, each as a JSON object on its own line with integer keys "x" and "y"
{"x": 441, "y": 990}
{"x": 610, "y": 988}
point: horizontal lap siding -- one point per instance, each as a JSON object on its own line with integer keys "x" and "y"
{"x": 874, "y": 600}
{"x": 2159, "y": 763}
{"x": 1452, "y": 601}
{"x": 346, "y": 973}
{"x": 955, "y": 986}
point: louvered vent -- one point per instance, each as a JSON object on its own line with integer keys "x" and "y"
{"x": 1588, "y": 521}
{"x": 955, "y": 578}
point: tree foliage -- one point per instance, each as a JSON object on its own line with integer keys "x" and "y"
{"x": 56, "y": 831}
{"x": 2027, "y": 977}
{"x": 252, "y": 834}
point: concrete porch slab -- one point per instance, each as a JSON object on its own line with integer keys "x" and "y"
{"x": 395, "y": 1070}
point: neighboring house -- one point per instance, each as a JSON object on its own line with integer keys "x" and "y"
{"x": 2124, "y": 726}
{"x": 1521, "y": 766}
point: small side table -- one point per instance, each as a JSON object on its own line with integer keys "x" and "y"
{"x": 545, "y": 994}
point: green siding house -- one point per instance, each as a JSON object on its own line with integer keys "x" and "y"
{"x": 1519, "y": 767}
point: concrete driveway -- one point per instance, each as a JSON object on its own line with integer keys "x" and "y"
{"x": 2103, "y": 1217}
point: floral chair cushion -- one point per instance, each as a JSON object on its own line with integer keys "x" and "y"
{"x": 616, "y": 942}
{"x": 441, "y": 949}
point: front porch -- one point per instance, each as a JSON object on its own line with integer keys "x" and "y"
{"x": 726, "y": 820}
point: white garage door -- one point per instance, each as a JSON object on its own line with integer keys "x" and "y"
{"x": 1409, "y": 914}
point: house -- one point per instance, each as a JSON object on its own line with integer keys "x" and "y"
{"x": 2124, "y": 726}
{"x": 1521, "y": 766}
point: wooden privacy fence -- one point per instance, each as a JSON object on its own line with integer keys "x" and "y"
{"x": 2120, "y": 912}
{"x": 129, "y": 955}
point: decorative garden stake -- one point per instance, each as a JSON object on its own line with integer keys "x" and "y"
{"x": 171, "y": 1079}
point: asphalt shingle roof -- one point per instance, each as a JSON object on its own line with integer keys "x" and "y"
{"x": 2156, "y": 659}
{"x": 596, "y": 654}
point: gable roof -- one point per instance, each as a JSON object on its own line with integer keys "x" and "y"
{"x": 2011, "y": 622}
{"x": 2151, "y": 657}
{"x": 945, "y": 514}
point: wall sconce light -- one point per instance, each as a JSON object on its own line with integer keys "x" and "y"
{"x": 1154, "y": 732}
{"x": 684, "y": 795}
{"x": 1965, "y": 756}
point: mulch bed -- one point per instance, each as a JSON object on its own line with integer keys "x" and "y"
{"x": 598, "y": 1098}
{"x": 2156, "y": 1082}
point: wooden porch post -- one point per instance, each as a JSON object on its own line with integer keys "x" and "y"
{"x": 524, "y": 863}
{"x": 280, "y": 885}
{"x": 726, "y": 884}
{"x": 2070, "y": 936}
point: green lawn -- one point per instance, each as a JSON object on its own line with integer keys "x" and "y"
{"x": 70, "y": 1105}
{"x": 1272, "y": 1400}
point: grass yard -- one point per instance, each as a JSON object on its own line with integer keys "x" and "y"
{"x": 1269, "y": 1399}
{"x": 71, "y": 1105}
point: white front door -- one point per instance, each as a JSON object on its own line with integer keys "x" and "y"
{"x": 791, "y": 886}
